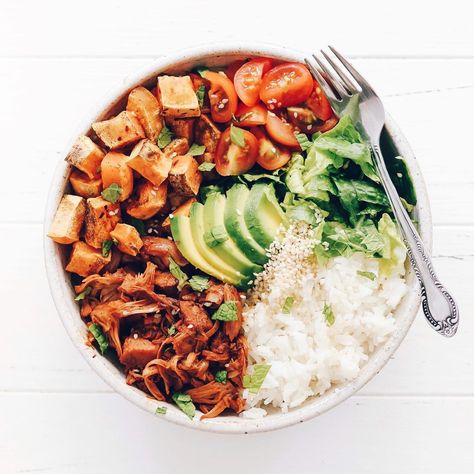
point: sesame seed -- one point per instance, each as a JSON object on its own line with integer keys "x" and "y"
{"x": 189, "y": 326}
{"x": 224, "y": 101}
{"x": 150, "y": 231}
{"x": 207, "y": 304}
{"x": 309, "y": 127}
{"x": 135, "y": 336}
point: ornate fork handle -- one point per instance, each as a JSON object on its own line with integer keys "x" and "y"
{"x": 439, "y": 307}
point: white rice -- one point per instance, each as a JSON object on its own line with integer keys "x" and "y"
{"x": 308, "y": 356}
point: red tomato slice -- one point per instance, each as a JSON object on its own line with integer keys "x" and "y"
{"x": 250, "y": 116}
{"x": 331, "y": 122}
{"x": 281, "y": 131}
{"x": 222, "y": 96}
{"x": 318, "y": 103}
{"x": 231, "y": 159}
{"x": 285, "y": 85}
{"x": 248, "y": 78}
{"x": 270, "y": 156}
{"x": 233, "y": 67}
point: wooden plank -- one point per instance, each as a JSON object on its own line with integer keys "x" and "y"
{"x": 101, "y": 29}
{"x": 71, "y": 433}
{"x": 45, "y": 360}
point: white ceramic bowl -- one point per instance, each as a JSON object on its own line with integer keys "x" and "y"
{"x": 109, "y": 371}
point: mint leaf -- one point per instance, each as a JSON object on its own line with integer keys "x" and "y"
{"x": 199, "y": 283}
{"x": 221, "y": 376}
{"x": 83, "y": 294}
{"x": 237, "y": 136}
{"x": 303, "y": 140}
{"x": 206, "y": 166}
{"x": 177, "y": 273}
{"x": 165, "y": 137}
{"x": 196, "y": 150}
{"x": 226, "y": 312}
{"x": 288, "y": 305}
{"x": 370, "y": 275}
{"x": 161, "y": 410}
{"x": 107, "y": 247}
{"x": 185, "y": 404}
{"x": 253, "y": 382}
{"x": 328, "y": 314}
{"x": 200, "y": 93}
{"x": 99, "y": 336}
{"x": 112, "y": 193}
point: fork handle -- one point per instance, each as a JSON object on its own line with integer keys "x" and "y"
{"x": 439, "y": 306}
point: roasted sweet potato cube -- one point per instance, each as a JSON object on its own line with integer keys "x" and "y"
{"x": 177, "y": 97}
{"x": 86, "y": 260}
{"x": 206, "y": 133}
{"x": 149, "y": 200}
{"x": 184, "y": 177}
{"x": 115, "y": 170}
{"x": 182, "y": 128}
{"x": 182, "y": 210}
{"x": 127, "y": 238}
{"x": 101, "y": 217}
{"x": 149, "y": 161}
{"x": 68, "y": 220}
{"x": 138, "y": 352}
{"x": 147, "y": 109}
{"x": 119, "y": 131}
{"x": 86, "y": 156}
{"x": 85, "y": 186}
{"x": 179, "y": 146}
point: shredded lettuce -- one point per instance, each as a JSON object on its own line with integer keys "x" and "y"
{"x": 394, "y": 251}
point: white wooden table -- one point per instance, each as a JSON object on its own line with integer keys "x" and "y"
{"x": 57, "y": 59}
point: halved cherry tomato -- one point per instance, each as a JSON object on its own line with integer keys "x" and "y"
{"x": 318, "y": 103}
{"x": 286, "y": 84}
{"x": 281, "y": 131}
{"x": 270, "y": 156}
{"x": 222, "y": 96}
{"x": 231, "y": 159}
{"x": 303, "y": 119}
{"x": 331, "y": 122}
{"x": 250, "y": 116}
{"x": 233, "y": 67}
{"x": 248, "y": 78}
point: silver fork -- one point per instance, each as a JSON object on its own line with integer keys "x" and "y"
{"x": 343, "y": 85}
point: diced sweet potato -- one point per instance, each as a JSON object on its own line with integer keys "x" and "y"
{"x": 85, "y": 186}
{"x": 115, "y": 169}
{"x": 182, "y": 128}
{"x": 86, "y": 156}
{"x": 184, "y": 177}
{"x": 177, "y": 97}
{"x": 207, "y": 134}
{"x": 182, "y": 210}
{"x": 178, "y": 146}
{"x": 149, "y": 161}
{"x": 68, "y": 220}
{"x": 101, "y": 217}
{"x": 86, "y": 260}
{"x": 119, "y": 131}
{"x": 149, "y": 200}
{"x": 127, "y": 238}
{"x": 147, "y": 109}
{"x": 138, "y": 352}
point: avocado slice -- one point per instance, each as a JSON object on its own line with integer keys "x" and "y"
{"x": 235, "y": 224}
{"x": 214, "y": 209}
{"x": 263, "y": 214}
{"x": 183, "y": 237}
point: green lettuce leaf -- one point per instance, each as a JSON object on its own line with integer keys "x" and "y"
{"x": 394, "y": 250}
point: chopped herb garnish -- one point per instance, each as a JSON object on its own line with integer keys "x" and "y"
{"x": 242, "y": 117}
{"x": 161, "y": 410}
{"x": 138, "y": 224}
{"x": 329, "y": 314}
{"x": 177, "y": 273}
{"x": 302, "y": 138}
{"x": 237, "y": 136}
{"x": 172, "y": 330}
{"x": 201, "y": 70}
{"x": 185, "y": 404}
{"x": 226, "y": 312}
{"x": 253, "y": 382}
{"x": 112, "y": 193}
{"x": 107, "y": 247}
{"x": 99, "y": 336}
{"x": 199, "y": 283}
{"x": 83, "y": 294}
{"x": 288, "y": 304}
{"x": 215, "y": 236}
{"x": 206, "y": 166}
{"x": 201, "y": 92}
{"x": 165, "y": 137}
{"x": 221, "y": 376}
{"x": 370, "y": 275}
{"x": 196, "y": 150}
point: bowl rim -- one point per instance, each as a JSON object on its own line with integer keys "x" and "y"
{"x": 61, "y": 290}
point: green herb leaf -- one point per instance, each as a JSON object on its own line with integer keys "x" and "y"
{"x": 177, "y": 273}
{"x": 172, "y": 330}
{"x": 185, "y": 404}
{"x": 253, "y": 382}
{"x": 83, "y": 294}
{"x": 165, "y": 137}
{"x": 288, "y": 305}
{"x": 201, "y": 92}
{"x": 328, "y": 314}
{"x": 370, "y": 275}
{"x": 199, "y": 283}
{"x": 112, "y": 193}
{"x": 196, "y": 150}
{"x": 161, "y": 410}
{"x": 226, "y": 312}
{"x": 137, "y": 223}
{"x": 201, "y": 70}
{"x": 206, "y": 166}
{"x": 303, "y": 140}
{"x": 215, "y": 236}
{"x": 107, "y": 247}
{"x": 237, "y": 136}
{"x": 221, "y": 376}
{"x": 99, "y": 336}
